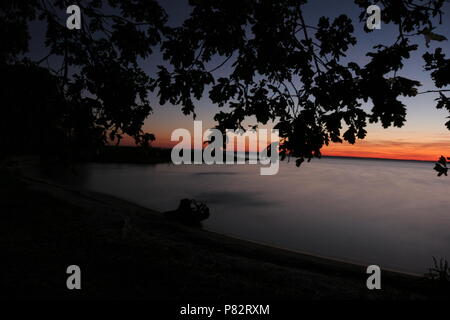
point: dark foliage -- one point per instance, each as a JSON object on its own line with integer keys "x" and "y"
{"x": 441, "y": 166}
{"x": 97, "y": 94}
{"x": 283, "y": 70}
{"x": 440, "y": 271}
{"x": 275, "y": 67}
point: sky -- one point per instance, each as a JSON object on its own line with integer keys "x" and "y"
{"x": 423, "y": 137}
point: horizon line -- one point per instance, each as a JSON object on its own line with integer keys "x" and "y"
{"x": 323, "y": 156}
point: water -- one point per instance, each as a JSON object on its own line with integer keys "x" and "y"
{"x": 391, "y": 213}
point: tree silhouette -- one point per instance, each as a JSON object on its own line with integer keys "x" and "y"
{"x": 274, "y": 67}
{"x": 102, "y": 92}
{"x": 283, "y": 70}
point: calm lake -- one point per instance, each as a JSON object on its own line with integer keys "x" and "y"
{"x": 391, "y": 213}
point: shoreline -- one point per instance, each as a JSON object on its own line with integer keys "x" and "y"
{"x": 316, "y": 256}
{"x": 152, "y": 256}
{"x": 114, "y": 199}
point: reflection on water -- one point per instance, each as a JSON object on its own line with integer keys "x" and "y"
{"x": 391, "y": 213}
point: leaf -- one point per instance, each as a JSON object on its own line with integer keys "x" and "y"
{"x": 299, "y": 161}
{"x": 441, "y": 166}
{"x": 431, "y": 36}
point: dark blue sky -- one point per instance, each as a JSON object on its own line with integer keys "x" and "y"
{"x": 425, "y": 124}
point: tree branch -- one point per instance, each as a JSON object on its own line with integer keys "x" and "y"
{"x": 433, "y": 91}
{"x": 220, "y": 65}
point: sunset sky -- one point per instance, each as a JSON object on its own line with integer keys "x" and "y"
{"x": 424, "y": 137}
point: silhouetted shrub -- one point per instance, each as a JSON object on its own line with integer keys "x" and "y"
{"x": 440, "y": 271}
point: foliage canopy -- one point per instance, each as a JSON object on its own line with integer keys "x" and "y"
{"x": 275, "y": 67}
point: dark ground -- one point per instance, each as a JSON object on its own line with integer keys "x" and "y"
{"x": 125, "y": 251}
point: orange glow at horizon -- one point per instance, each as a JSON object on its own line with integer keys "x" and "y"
{"x": 401, "y": 149}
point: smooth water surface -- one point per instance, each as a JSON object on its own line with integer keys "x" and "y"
{"x": 391, "y": 213}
